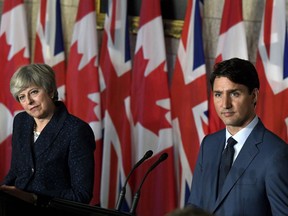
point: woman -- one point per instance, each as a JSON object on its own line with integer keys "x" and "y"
{"x": 52, "y": 150}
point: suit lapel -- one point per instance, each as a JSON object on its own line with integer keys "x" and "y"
{"x": 50, "y": 132}
{"x": 27, "y": 139}
{"x": 219, "y": 155}
{"x": 218, "y": 146}
{"x": 242, "y": 162}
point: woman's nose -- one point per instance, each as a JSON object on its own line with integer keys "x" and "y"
{"x": 29, "y": 99}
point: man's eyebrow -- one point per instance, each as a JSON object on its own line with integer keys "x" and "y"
{"x": 229, "y": 90}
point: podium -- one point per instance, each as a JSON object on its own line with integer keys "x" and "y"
{"x": 11, "y": 206}
{"x": 80, "y": 209}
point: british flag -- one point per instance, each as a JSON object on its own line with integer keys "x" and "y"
{"x": 14, "y": 53}
{"x": 272, "y": 66}
{"x": 189, "y": 98}
{"x": 49, "y": 45}
{"x": 115, "y": 77}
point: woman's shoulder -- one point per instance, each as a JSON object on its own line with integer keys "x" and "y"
{"x": 22, "y": 116}
{"x": 74, "y": 122}
{"x": 70, "y": 120}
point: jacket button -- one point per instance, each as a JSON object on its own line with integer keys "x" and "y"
{"x": 32, "y": 170}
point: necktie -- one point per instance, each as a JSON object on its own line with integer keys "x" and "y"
{"x": 226, "y": 161}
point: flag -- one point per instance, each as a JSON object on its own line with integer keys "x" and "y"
{"x": 231, "y": 43}
{"x": 115, "y": 75}
{"x": 272, "y": 67}
{"x": 14, "y": 53}
{"x": 151, "y": 112}
{"x": 189, "y": 98}
{"x": 49, "y": 44}
{"x": 83, "y": 87}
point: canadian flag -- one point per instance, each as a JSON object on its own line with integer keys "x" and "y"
{"x": 272, "y": 67}
{"x": 49, "y": 44}
{"x": 151, "y": 112}
{"x": 14, "y": 53}
{"x": 231, "y": 43}
{"x": 115, "y": 70}
{"x": 83, "y": 87}
{"x": 189, "y": 98}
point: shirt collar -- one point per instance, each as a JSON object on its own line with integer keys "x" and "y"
{"x": 243, "y": 134}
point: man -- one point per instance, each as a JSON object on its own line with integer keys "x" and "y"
{"x": 257, "y": 183}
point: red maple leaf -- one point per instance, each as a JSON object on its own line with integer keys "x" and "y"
{"x": 80, "y": 84}
{"x": 146, "y": 92}
{"x": 8, "y": 67}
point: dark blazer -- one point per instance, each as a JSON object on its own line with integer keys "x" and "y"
{"x": 257, "y": 183}
{"x": 60, "y": 163}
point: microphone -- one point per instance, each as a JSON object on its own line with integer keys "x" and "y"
{"x": 121, "y": 197}
{"x": 137, "y": 195}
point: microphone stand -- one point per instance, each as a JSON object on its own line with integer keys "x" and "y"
{"x": 137, "y": 194}
{"x": 121, "y": 197}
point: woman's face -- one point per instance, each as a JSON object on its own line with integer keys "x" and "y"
{"x": 37, "y": 102}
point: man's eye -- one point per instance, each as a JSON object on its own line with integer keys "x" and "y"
{"x": 235, "y": 94}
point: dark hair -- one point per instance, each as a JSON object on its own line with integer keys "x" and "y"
{"x": 238, "y": 71}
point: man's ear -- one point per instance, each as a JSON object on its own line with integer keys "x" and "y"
{"x": 255, "y": 94}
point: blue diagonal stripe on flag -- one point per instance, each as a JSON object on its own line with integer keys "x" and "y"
{"x": 59, "y": 43}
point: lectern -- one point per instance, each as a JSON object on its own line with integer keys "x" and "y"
{"x": 11, "y": 206}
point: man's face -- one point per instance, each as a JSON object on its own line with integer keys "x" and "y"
{"x": 233, "y": 103}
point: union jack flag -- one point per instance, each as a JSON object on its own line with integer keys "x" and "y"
{"x": 272, "y": 66}
{"x": 115, "y": 76}
{"x": 189, "y": 98}
{"x": 49, "y": 45}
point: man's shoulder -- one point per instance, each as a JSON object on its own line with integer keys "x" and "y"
{"x": 216, "y": 135}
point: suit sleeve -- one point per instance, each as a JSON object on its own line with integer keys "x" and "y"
{"x": 196, "y": 186}
{"x": 277, "y": 182}
{"x": 81, "y": 165}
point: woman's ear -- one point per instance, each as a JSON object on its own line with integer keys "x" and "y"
{"x": 51, "y": 95}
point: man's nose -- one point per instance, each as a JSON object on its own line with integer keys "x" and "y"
{"x": 226, "y": 102}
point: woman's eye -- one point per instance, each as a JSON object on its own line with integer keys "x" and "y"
{"x": 34, "y": 92}
{"x": 21, "y": 98}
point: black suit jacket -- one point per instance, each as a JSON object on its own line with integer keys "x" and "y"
{"x": 60, "y": 163}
